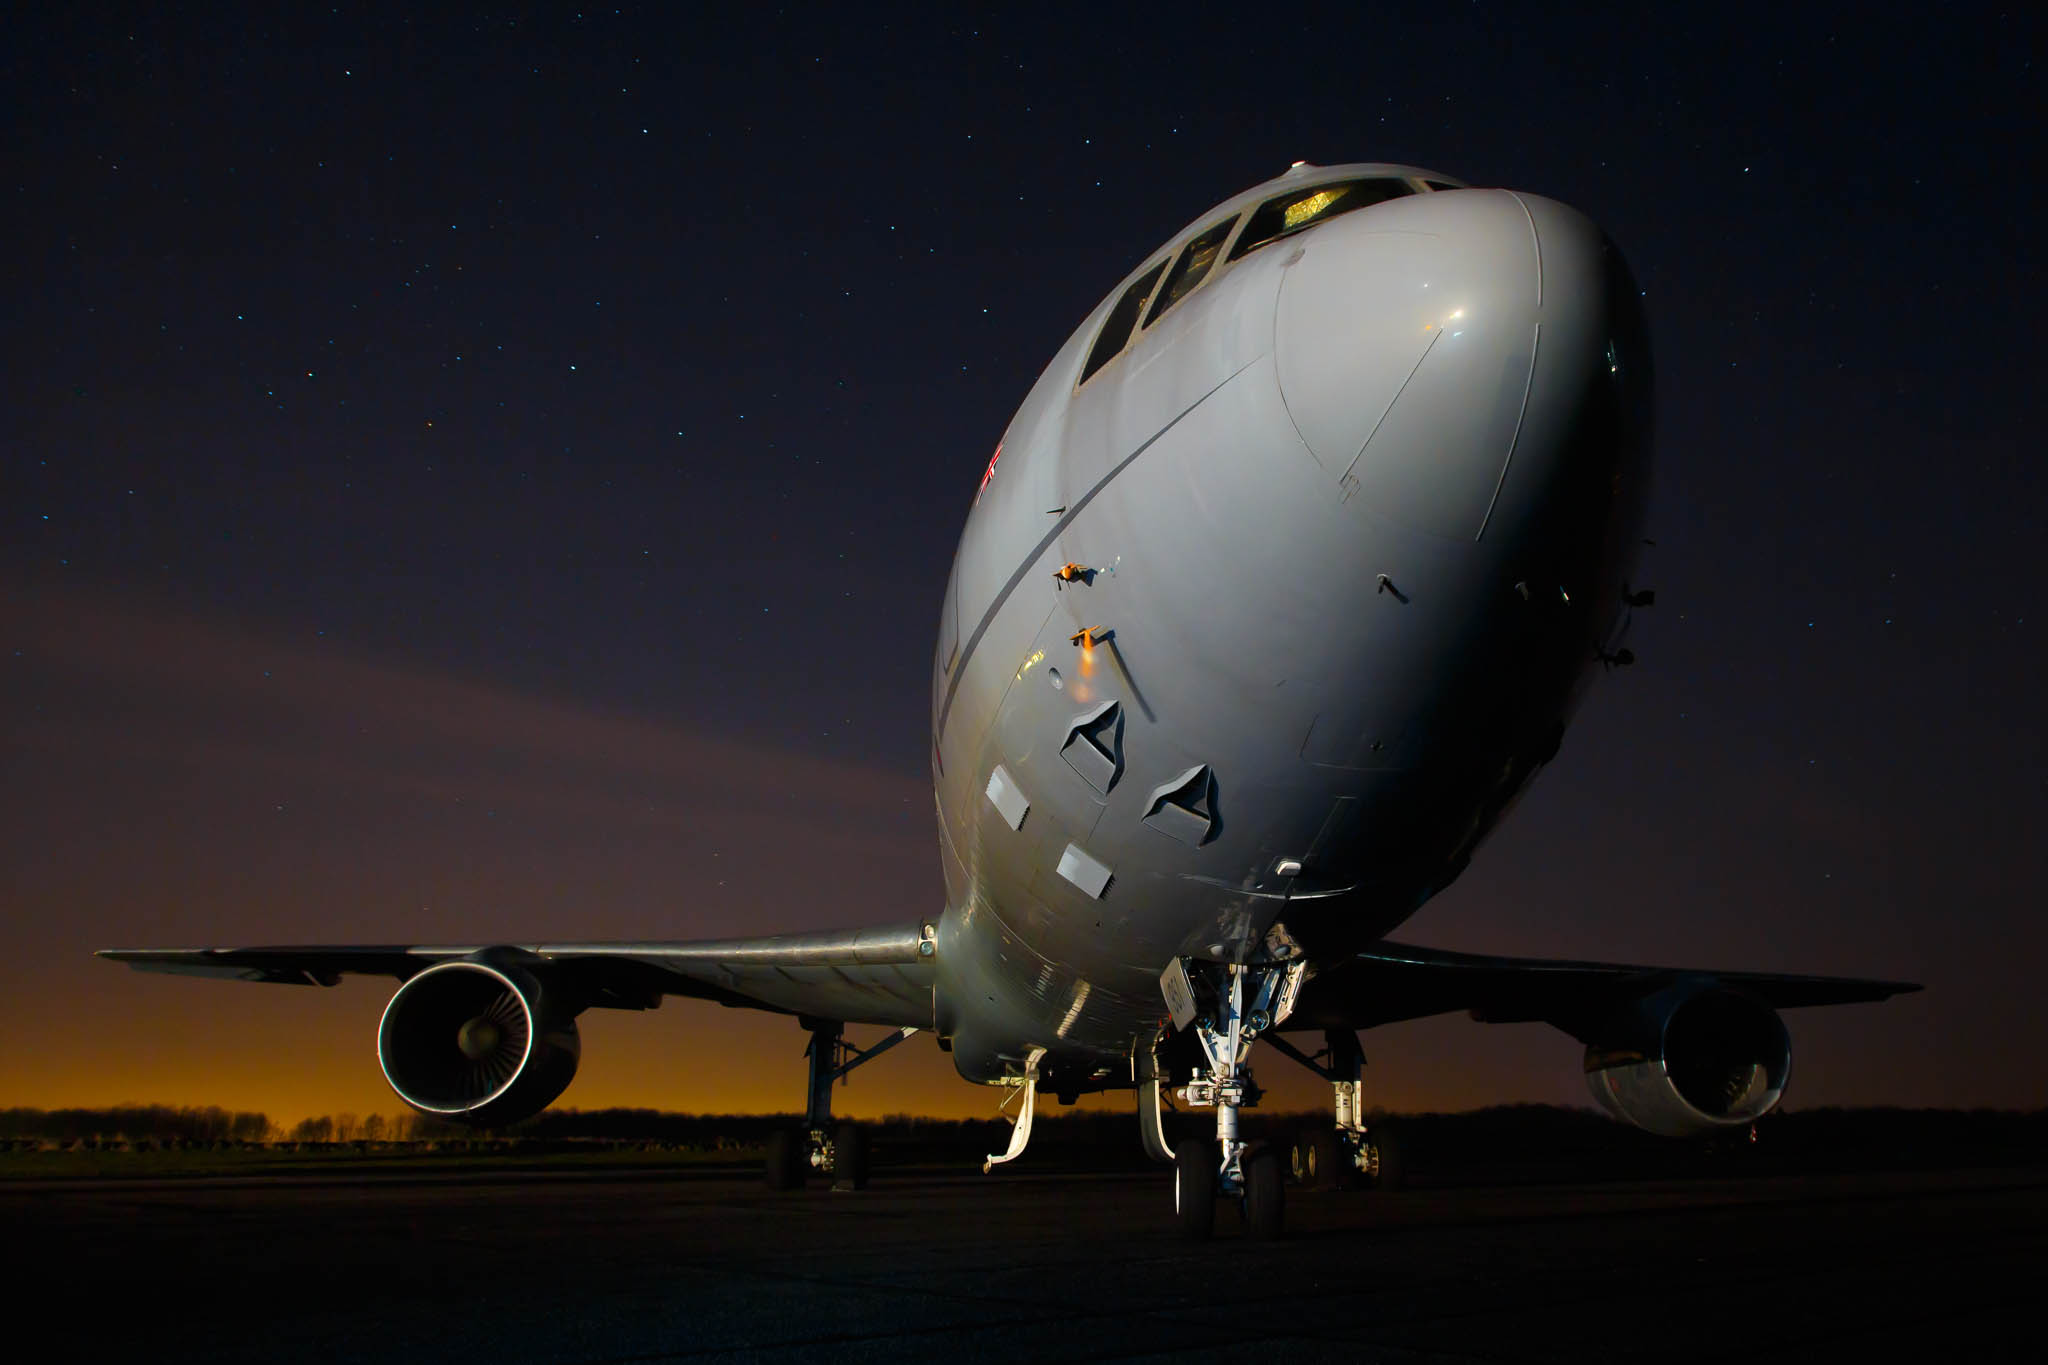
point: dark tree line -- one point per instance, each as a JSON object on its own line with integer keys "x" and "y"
{"x": 1506, "y": 1142}
{"x": 210, "y": 1124}
{"x": 162, "y": 1122}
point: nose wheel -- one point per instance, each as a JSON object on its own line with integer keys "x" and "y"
{"x": 1194, "y": 1189}
{"x": 1262, "y": 1196}
{"x": 1265, "y": 1196}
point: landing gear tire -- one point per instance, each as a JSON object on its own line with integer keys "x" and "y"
{"x": 1194, "y": 1188}
{"x": 850, "y": 1157}
{"x": 1265, "y": 1195}
{"x": 787, "y": 1157}
{"x": 1319, "y": 1160}
{"x": 1388, "y": 1173}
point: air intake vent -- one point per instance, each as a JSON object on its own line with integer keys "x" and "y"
{"x": 1185, "y": 807}
{"x": 1094, "y": 746}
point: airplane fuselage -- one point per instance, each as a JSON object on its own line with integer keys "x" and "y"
{"x": 1265, "y": 614}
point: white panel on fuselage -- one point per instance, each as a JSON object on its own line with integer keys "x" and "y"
{"x": 1007, "y": 797}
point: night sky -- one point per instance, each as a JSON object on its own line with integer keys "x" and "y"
{"x": 493, "y": 478}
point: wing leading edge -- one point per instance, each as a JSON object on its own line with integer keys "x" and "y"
{"x": 1389, "y": 982}
{"x": 857, "y": 976}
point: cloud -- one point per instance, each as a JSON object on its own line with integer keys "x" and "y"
{"x": 114, "y": 685}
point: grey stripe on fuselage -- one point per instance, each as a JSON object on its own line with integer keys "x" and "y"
{"x": 1024, "y": 566}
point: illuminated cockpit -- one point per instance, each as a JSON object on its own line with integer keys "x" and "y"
{"x": 1299, "y": 210}
{"x": 1203, "y": 257}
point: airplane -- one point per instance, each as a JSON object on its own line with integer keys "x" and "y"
{"x": 1273, "y": 598}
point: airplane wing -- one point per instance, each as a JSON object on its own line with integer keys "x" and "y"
{"x": 858, "y": 976}
{"x": 1389, "y": 982}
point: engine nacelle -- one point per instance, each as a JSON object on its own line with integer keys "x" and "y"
{"x": 1690, "y": 1060}
{"x": 478, "y": 1041}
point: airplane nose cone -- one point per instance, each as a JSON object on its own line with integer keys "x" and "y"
{"x": 1404, "y": 341}
{"x": 1581, "y": 456}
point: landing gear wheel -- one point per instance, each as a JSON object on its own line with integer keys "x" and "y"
{"x": 1319, "y": 1160}
{"x": 787, "y": 1157}
{"x": 1388, "y": 1173}
{"x": 1265, "y": 1195}
{"x": 850, "y": 1157}
{"x": 1194, "y": 1188}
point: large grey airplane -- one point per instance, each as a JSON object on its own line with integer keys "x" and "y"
{"x": 1275, "y": 595}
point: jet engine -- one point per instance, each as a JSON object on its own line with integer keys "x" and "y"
{"x": 1690, "y": 1060}
{"x": 477, "y": 1041}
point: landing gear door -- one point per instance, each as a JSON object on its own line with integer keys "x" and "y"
{"x": 1179, "y": 993}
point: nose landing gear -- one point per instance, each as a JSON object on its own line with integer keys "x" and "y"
{"x": 1229, "y": 1005}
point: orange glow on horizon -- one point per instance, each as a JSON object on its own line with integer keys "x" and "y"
{"x": 298, "y": 1052}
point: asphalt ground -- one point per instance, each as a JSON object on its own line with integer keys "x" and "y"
{"x": 597, "y": 1266}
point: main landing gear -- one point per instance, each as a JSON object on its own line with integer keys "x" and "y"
{"x": 1229, "y": 1005}
{"x": 841, "y": 1152}
{"x": 1350, "y": 1154}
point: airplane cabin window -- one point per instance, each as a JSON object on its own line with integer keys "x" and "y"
{"x": 1302, "y": 209}
{"x": 1116, "y": 329}
{"x": 1193, "y": 264}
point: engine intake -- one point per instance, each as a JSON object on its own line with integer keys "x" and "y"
{"x": 1691, "y": 1060}
{"x": 477, "y": 1042}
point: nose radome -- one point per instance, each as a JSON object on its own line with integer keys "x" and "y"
{"x": 1403, "y": 341}
{"x": 1586, "y": 424}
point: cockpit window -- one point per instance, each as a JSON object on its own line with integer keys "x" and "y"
{"x": 1116, "y": 329}
{"x": 1304, "y": 208}
{"x": 1193, "y": 264}
{"x": 1442, "y": 185}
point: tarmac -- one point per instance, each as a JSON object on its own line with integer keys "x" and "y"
{"x": 596, "y": 1266}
